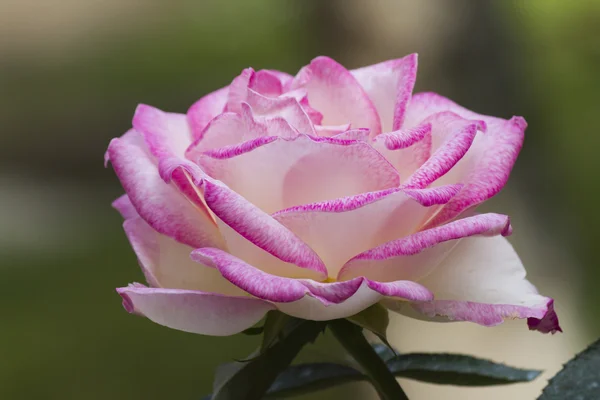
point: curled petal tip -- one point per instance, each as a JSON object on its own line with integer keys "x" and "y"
{"x": 548, "y": 323}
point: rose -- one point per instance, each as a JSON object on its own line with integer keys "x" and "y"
{"x": 320, "y": 195}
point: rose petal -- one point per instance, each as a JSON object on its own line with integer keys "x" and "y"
{"x": 166, "y": 263}
{"x": 166, "y": 134}
{"x": 406, "y": 149}
{"x": 205, "y": 109}
{"x": 159, "y": 203}
{"x": 193, "y": 311}
{"x": 334, "y": 92}
{"x": 328, "y": 130}
{"x": 276, "y": 173}
{"x": 266, "y": 83}
{"x": 124, "y": 207}
{"x": 305, "y": 298}
{"x": 261, "y": 229}
{"x": 389, "y": 85}
{"x": 485, "y": 168}
{"x": 483, "y": 281}
{"x": 415, "y": 256}
{"x": 339, "y": 229}
{"x": 458, "y": 134}
{"x": 360, "y": 134}
{"x": 283, "y": 107}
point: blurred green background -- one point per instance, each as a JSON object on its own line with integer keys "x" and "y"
{"x": 73, "y": 71}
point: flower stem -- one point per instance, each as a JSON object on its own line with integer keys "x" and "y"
{"x": 353, "y": 340}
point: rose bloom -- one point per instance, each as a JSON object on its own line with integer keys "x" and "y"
{"x": 320, "y": 195}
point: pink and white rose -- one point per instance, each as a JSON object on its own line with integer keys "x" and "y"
{"x": 320, "y": 195}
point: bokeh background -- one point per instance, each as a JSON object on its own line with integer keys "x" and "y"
{"x": 73, "y": 71}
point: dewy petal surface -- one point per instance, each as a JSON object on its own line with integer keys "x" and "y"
{"x": 158, "y": 203}
{"x": 334, "y": 92}
{"x": 277, "y": 173}
{"x": 193, "y": 311}
{"x": 389, "y": 85}
{"x": 305, "y": 298}
{"x": 483, "y": 281}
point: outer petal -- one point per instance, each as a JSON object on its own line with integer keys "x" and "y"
{"x": 337, "y": 95}
{"x": 415, "y": 256}
{"x": 262, "y": 230}
{"x": 308, "y": 299}
{"x": 166, "y": 263}
{"x": 483, "y": 281}
{"x": 194, "y": 311}
{"x": 274, "y": 173}
{"x": 485, "y": 168}
{"x": 159, "y": 203}
{"x": 205, "y": 109}
{"x": 124, "y": 207}
{"x": 339, "y": 229}
{"x": 389, "y": 85}
{"x": 166, "y": 134}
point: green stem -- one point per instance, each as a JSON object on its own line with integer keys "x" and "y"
{"x": 353, "y": 340}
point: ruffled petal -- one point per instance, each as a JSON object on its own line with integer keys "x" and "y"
{"x": 415, "y": 256}
{"x": 389, "y": 85}
{"x": 329, "y": 130}
{"x": 339, "y": 229}
{"x": 452, "y": 136}
{"x": 159, "y": 203}
{"x": 286, "y": 108}
{"x": 334, "y": 92}
{"x": 484, "y": 170}
{"x": 193, "y": 311}
{"x": 305, "y": 298}
{"x": 483, "y": 281}
{"x": 260, "y": 231}
{"x": 205, "y": 109}
{"x": 167, "y": 264}
{"x": 406, "y": 149}
{"x": 274, "y": 173}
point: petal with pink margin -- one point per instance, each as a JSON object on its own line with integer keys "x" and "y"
{"x": 167, "y": 264}
{"x": 485, "y": 169}
{"x": 275, "y": 173}
{"x": 389, "y": 85}
{"x": 415, "y": 256}
{"x": 205, "y": 109}
{"x": 339, "y": 229}
{"x": 483, "y": 281}
{"x": 334, "y": 92}
{"x": 406, "y": 149}
{"x": 159, "y": 203}
{"x": 456, "y": 135}
{"x": 305, "y": 298}
{"x": 194, "y": 311}
{"x": 260, "y": 228}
